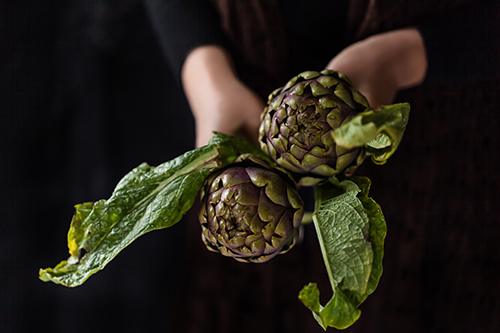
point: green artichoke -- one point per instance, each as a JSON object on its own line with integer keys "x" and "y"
{"x": 297, "y": 125}
{"x": 250, "y": 211}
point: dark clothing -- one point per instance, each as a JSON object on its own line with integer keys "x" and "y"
{"x": 91, "y": 89}
{"x": 462, "y": 45}
{"x": 271, "y": 41}
{"x": 441, "y": 259}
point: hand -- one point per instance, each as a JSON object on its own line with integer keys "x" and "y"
{"x": 383, "y": 64}
{"x": 218, "y": 99}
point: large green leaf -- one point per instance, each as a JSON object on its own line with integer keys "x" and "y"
{"x": 146, "y": 199}
{"x": 351, "y": 230}
{"x": 378, "y": 232}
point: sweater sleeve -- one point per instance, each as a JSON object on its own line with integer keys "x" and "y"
{"x": 183, "y": 25}
{"x": 464, "y": 44}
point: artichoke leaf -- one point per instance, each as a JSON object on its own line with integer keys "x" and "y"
{"x": 147, "y": 198}
{"x": 339, "y": 312}
{"x": 378, "y": 232}
{"x": 351, "y": 230}
{"x": 232, "y": 146}
{"x": 379, "y": 131}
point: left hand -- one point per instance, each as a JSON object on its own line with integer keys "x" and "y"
{"x": 383, "y": 64}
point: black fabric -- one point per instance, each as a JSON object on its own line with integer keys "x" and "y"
{"x": 182, "y": 25}
{"x": 462, "y": 45}
{"x": 461, "y": 42}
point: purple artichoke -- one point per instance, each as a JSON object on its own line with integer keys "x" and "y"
{"x": 250, "y": 211}
{"x": 297, "y": 125}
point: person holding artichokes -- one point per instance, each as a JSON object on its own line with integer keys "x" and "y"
{"x": 391, "y": 46}
{"x": 330, "y": 71}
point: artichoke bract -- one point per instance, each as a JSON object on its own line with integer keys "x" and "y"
{"x": 298, "y": 122}
{"x": 250, "y": 211}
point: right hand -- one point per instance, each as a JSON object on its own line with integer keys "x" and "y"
{"x": 217, "y": 97}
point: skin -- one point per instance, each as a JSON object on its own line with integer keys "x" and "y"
{"x": 219, "y": 100}
{"x": 384, "y": 64}
{"x": 378, "y": 67}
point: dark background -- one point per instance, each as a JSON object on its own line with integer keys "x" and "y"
{"x": 86, "y": 96}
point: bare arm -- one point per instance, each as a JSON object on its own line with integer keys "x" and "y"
{"x": 378, "y": 66}
{"x": 219, "y": 100}
{"x": 383, "y": 64}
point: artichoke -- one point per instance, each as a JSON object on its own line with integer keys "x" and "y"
{"x": 250, "y": 211}
{"x": 297, "y": 125}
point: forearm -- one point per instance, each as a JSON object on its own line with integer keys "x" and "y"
{"x": 219, "y": 100}
{"x": 406, "y": 61}
{"x": 206, "y": 74}
{"x": 383, "y": 64}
